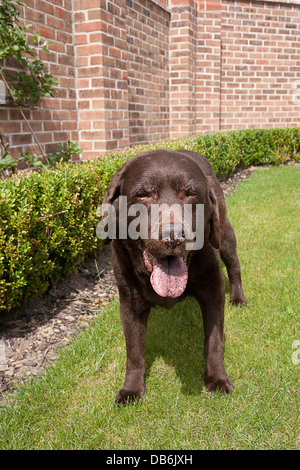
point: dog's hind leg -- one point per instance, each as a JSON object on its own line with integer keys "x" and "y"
{"x": 229, "y": 256}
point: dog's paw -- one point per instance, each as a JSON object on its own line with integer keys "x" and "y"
{"x": 125, "y": 396}
{"x": 237, "y": 296}
{"x": 222, "y": 384}
{"x": 238, "y": 301}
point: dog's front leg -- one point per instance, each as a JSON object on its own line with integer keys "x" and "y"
{"x": 212, "y": 307}
{"x": 134, "y": 321}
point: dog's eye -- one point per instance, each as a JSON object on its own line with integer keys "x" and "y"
{"x": 190, "y": 193}
{"x": 142, "y": 195}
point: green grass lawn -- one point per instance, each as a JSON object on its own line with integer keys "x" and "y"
{"x": 71, "y": 406}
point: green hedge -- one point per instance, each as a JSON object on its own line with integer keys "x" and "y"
{"x": 238, "y": 149}
{"x": 49, "y": 218}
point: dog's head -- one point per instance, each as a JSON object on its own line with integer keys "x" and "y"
{"x": 162, "y": 201}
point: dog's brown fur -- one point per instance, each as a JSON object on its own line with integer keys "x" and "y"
{"x": 165, "y": 175}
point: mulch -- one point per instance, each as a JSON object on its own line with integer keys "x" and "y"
{"x": 33, "y": 334}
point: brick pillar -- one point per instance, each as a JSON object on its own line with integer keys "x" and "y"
{"x": 183, "y": 43}
{"x": 101, "y": 60}
{"x": 114, "y": 56}
{"x": 195, "y": 66}
{"x": 208, "y": 89}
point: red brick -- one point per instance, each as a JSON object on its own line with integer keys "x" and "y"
{"x": 46, "y": 32}
{"x": 89, "y": 49}
{"x": 54, "y": 22}
{"x": 63, "y": 14}
{"x": 88, "y": 27}
{"x": 45, "y": 7}
{"x": 85, "y": 4}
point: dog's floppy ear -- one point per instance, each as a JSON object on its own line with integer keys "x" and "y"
{"x": 112, "y": 194}
{"x": 115, "y": 188}
{"x": 215, "y": 234}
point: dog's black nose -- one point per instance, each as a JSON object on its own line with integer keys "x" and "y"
{"x": 172, "y": 234}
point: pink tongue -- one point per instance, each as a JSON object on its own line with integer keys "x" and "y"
{"x": 169, "y": 276}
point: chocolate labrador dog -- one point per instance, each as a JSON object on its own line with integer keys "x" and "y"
{"x": 161, "y": 262}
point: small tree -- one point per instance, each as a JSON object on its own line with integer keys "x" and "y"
{"x": 29, "y": 85}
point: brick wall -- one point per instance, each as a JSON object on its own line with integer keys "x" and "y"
{"x": 137, "y": 71}
{"x": 209, "y": 66}
{"x": 101, "y": 64}
{"x": 148, "y": 71}
{"x": 260, "y": 64}
{"x": 56, "y": 119}
{"x": 183, "y": 67}
{"x": 235, "y": 65}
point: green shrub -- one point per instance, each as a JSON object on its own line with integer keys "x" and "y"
{"x": 48, "y": 225}
{"x": 229, "y": 150}
{"x": 49, "y": 218}
{"x": 221, "y": 150}
{"x": 31, "y": 83}
{"x": 261, "y": 146}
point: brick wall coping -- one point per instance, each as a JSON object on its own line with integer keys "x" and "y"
{"x": 287, "y": 2}
{"x": 163, "y": 6}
